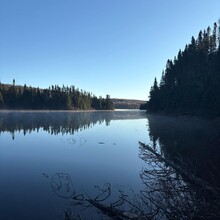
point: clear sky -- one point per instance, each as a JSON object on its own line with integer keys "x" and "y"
{"x": 113, "y": 47}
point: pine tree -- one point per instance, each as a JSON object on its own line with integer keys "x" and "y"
{"x": 1, "y": 100}
{"x": 190, "y": 83}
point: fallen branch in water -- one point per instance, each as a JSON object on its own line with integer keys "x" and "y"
{"x": 174, "y": 191}
{"x": 112, "y": 209}
{"x": 170, "y": 191}
{"x": 190, "y": 176}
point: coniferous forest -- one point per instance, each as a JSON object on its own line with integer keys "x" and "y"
{"x": 190, "y": 83}
{"x": 54, "y": 98}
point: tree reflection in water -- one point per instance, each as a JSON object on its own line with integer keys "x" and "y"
{"x": 59, "y": 122}
{"x": 180, "y": 179}
{"x": 52, "y": 122}
{"x": 171, "y": 191}
{"x": 181, "y": 176}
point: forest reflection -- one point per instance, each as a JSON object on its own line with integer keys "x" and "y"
{"x": 60, "y": 122}
{"x": 194, "y": 142}
{"x": 180, "y": 181}
{"x": 182, "y": 177}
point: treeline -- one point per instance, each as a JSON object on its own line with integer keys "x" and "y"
{"x": 190, "y": 83}
{"x": 53, "y": 98}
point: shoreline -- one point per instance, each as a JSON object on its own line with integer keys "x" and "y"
{"x": 48, "y": 110}
{"x": 212, "y": 119}
{"x": 77, "y": 110}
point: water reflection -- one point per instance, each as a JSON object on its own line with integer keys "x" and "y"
{"x": 180, "y": 184}
{"x": 194, "y": 142}
{"x": 173, "y": 184}
{"x": 182, "y": 178}
{"x": 42, "y": 172}
{"x": 60, "y": 122}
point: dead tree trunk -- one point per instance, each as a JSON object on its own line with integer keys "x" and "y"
{"x": 190, "y": 176}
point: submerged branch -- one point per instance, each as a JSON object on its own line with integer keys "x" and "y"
{"x": 174, "y": 191}
{"x": 182, "y": 171}
{"x": 109, "y": 210}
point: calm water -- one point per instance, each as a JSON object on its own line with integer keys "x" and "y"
{"x": 83, "y": 148}
{"x": 48, "y": 157}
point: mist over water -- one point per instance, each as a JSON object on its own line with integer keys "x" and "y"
{"x": 48, "y": 157}
{"x": 39, "y": 150}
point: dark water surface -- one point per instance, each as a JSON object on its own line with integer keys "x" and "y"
{"x": 46, "y": 158}
{"x": 42, "y": 151}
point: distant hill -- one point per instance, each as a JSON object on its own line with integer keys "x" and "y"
{"x": 127, "y": 103}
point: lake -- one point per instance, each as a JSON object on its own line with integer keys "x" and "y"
{"x": 53, "y": 163}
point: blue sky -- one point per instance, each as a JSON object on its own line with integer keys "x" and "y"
{"x": 113, "y": 47}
